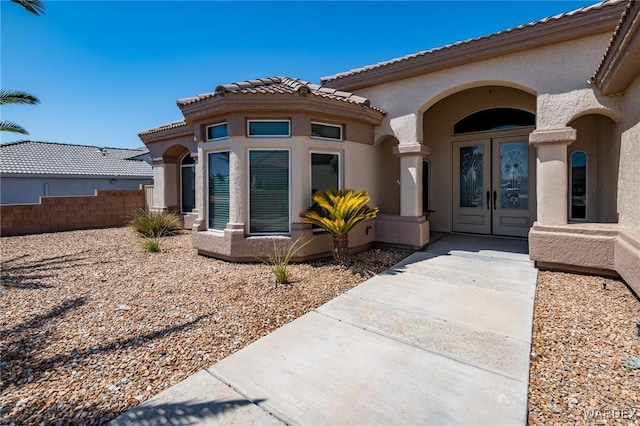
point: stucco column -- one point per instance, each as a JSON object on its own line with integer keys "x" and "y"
{"x": 551, "y": 170}
{"x": 159, "y": 186}
{"x": 198, "y": 221}
{"x": 236, "y": 193}
{"x": 411, "y": 228}
{"x": 411, "y": 157}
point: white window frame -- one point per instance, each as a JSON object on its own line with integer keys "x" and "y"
{"x": 330, "y": 125}
{"x": 248, "y": 220}
{"x": 224, "y": 123}
{"x": 274, "y": 120}
{"x": 586, "y": 185}
{"x": 340, "y": 172}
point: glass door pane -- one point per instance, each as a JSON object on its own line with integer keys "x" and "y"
{"x": 471, "y": 167}
{"x": 514, "y": 175}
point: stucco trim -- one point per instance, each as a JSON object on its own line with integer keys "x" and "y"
{"x": 565, "y": 135}
{"x": 409, "y": 150}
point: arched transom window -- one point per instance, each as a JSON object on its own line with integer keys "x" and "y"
{"x": 494, "y": 119}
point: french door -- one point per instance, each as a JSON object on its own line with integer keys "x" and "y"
{"x": 493, "y": 186}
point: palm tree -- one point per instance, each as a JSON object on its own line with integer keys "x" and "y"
{"x": 32, "y": 6}
{"x": 15, "y": 97}
{"x": 37, "y": 8}
{"x": 339, "y": 211}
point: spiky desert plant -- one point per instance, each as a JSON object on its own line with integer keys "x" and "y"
{"x": 279, "y": 260}
{"x": 156, "y": 224}
{"x": 152, "y": 244}
{"x": 338, "y": 211}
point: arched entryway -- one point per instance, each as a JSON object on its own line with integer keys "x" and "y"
{"x": 479, "y": 147}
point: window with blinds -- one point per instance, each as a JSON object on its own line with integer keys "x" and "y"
{"x": 218, "y": 190}
{"x": 187, "y": 184}
{"x": 268, "y": 191}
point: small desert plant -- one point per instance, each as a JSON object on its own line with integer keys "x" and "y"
{"x": 152, "y": 244}
{"x": 156, "y": 224}
{"x": 279, "y": 260}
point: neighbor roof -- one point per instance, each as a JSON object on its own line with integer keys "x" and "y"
{"x": 284, "y": 85}
{"x": 48, "y": 158}
{"x": 585, "y": 21}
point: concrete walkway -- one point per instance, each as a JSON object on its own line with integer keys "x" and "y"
{"x": 441, "y": 338}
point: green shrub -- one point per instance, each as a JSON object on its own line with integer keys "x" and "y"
{"x": 156, "y": 224}
{"x": 152, "y": 244}
{"x": 279, "y": 260}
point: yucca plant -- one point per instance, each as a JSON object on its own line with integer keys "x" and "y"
{"x": 338, "y": 211}
{"x": 279, "y": 260}
{"x": 156, "y": 224}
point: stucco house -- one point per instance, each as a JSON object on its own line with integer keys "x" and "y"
{"x": 529, "y": 132}
{"x": 32, "y": 169}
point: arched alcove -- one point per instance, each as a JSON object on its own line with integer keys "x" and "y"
{"x": 388, "y": 187}
{"x": 598, "y": 138}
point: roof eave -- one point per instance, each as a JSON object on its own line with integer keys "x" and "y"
{"x": 160, "y": 133}
{"x": 543, "y": 33}
{"x": 269, "y": 102}
{"x": 621, "y": 63}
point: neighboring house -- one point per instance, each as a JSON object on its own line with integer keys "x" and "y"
{"x": 30, "y": 170}
{"x": 533, "y": 131}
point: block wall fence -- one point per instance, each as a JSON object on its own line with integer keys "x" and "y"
{"x": 53, "y": 214}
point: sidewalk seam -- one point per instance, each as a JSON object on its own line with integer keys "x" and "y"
{"x": 377, "y": 333}
{"x": 280, "y": 417}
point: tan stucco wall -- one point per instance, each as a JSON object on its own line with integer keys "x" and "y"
{"x": 588, "y": 247}
{"x": 556, "y": 73}
{"x": 354, "y": 130}
{"x": 629, "y": 178}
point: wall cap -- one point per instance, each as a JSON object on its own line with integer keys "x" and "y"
{"x": 413, "y": 149}
{"x": 565, "y": 135}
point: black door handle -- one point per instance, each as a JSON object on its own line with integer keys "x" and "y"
{"x": 495, "y": 197}
{"x": 488, "y": 200}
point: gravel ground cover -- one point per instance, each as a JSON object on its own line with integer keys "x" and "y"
{"x": 92, "y": 325}
{"x": 583, "y": 335}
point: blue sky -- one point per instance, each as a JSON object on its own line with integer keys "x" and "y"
{"x": 106, "y": 70}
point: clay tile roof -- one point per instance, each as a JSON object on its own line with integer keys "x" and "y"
{"x": 282, "y": 85}
{"x": 172, "y": 125}
{"x": 391, "y": 62}
{"x": 32, "y": 157}
{"x": 596, "y": 75}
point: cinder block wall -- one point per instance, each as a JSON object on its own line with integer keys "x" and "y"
{"x": 53, "y": 214}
